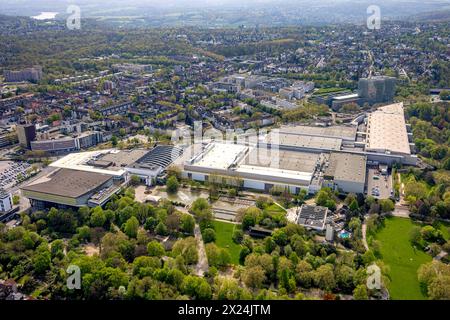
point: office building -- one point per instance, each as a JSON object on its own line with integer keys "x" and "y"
{"x": 26, "y": 134}
{"x": 378, "y": 89}
{"x": 6, "y": 202}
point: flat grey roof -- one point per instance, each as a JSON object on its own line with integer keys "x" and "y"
{"x": 347, "y": 167}
{"x": 287, "y": 160}
{"x": 301, "y": 141}
{"x": 340, "y": 132}
{"x": 312, "y": 216}
{"x": 123, "y": 158}
{"x": 69, "y": 183}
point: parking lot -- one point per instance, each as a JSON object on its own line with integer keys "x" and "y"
{"x": 10, "y": 172}
{"x": 379, "y": 186}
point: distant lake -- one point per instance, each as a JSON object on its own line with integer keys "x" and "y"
{"x": 46, "y": 16}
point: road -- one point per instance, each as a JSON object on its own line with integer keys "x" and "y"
{"x": 401, "y": 207}
{"x": 202, "y": 265}
{"x": 364, "y": 232}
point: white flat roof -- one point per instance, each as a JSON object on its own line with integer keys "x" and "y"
{"x": 386, "y": 130}
{"x": 235, "y": 159}
{"x": 280, "y": 173}
{"x": 347, "y": 96}
{"x": 220, "y": 155}
{"x": 78, "y": 161}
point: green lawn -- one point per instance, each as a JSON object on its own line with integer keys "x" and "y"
{"x": 274, "y": 209}
{"x": 329, "y": 90}
{"x": 224, "y": 233}
{"x": 402, "y": 259}
{"x": 444, "y": 227}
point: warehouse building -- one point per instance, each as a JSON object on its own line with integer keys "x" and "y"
{"x": 253, "y": 168}
{"x": 387, "y": 134}
{"x": 346, "y": 172}
{"x": 382, "y": 136}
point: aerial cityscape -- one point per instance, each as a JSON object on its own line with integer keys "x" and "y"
{"x": 219, "y": 150}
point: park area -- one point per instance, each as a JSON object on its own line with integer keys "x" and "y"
{"x": 402, "y": 259}
{"x": 224, "y": 234}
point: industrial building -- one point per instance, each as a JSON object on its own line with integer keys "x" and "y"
{"x": 91, "y": 178}
{"x": 382, "y": 136}
{"x": 250, "y": 167}
{"x": 346, "y": 172}
{"x": 266, "y": 170}
{"x": 307, "y": 157}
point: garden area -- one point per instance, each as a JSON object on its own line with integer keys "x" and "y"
{"x": 224, "y": 234}
{"x": 402, "y": 258}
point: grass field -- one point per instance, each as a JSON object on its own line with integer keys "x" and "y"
{"x": 402, "y": 259}
{"x": 274, "y": 209}
{"x": 224, "y": 233}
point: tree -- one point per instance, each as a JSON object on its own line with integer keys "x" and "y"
{"x": 326, "y": 198}
{"x": 161, "y": 229}
{"x": 201, "y": 209}
{"x": 114, "y": 141}
{"x": 217, "y": 257}
{"x": 16, "y": 199}
{"x": 131, "y": 227}
{"x": 345, "y": 278}
{"x": 251, "y": 217}
{"x": 209, "y": 235}
{"x": 254, "y": 277}
{"x": 261, "y": 202}
{"x": 196, "y": 287}
{"x": 155, "y": 249}
{"x": 57, "y": 249}
{"x": 229, "y": 289}
{"x": 172, "y": 184}
{"x": 238, "y": 235}
{"x": 355, "y": 226}
{"x": 324, "y": 277}
{"x": 386, "y": 205}
{"x": 42, "y": 259}
{"x": 84, "y": 234}
{"x": 135, "y": 180}
{"x": 187, "y": 248}
{"x": 434, "y": 277}
{"x": 280, "y": 237}
{"x": 187, "y": 224}
{"x": 354, "y": 205}
{"x": 360, "y": 292}
{"x": 98, "y": 217}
